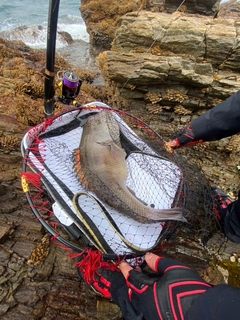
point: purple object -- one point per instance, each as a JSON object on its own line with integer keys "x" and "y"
{"x": 70, "y": 79}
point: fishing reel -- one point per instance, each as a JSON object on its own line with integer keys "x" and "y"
{"x": 68, "y": 86}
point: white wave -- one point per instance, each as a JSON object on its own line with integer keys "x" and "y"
{"x": 69, "y": 18}
{"x": 36, "y": 36}
{"x": 76, "y": 30}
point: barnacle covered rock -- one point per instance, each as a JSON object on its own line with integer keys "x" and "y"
{"x": 10, "y": 142}
{"x": 174, "y": 95}
{"x": 181, "y": 110}
{"x": 154, "y": 97}
{"x": 154, "y": 108}
{"x": 40, "y": 252}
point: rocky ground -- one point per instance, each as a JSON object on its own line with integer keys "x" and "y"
{"x": 52, "y": 289}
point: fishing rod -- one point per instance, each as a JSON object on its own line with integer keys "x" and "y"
{"x": 67, "y": 82}
{"x": 49, "y": 87}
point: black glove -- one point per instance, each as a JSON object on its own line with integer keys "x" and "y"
{"x": 228, "y": 214}
{"x": 108, "y": 281}
{"x": 168, "y": 295}
{"x": 112, "y": 284}
{"x": 184, "y": 138}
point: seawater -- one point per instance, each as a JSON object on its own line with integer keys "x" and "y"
{"x": 27, "y": 20}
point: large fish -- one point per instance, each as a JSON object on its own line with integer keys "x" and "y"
{"x": 101, "y": 167}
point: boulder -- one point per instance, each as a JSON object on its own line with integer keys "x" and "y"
{"x": 101, "y": 17}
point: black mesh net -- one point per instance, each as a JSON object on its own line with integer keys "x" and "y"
{"x": 82, "y": 207}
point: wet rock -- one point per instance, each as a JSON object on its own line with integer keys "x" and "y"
{"x": 3, "y": 189}
{"x": 5, "y": 231}
{"x": 66, "y": 36}
{"x": 224, "y": 251}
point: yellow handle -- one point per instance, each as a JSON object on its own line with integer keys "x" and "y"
{"x": 24, "y": 184}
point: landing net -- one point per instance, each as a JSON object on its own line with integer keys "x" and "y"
{"x": 77, "y": 218}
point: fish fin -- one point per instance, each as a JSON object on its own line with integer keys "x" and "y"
{"x": 77, "y": 154}
{"x": 78, "y": 168}
{"x": 117, "y": 153}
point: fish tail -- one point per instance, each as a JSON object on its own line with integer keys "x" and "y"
{"x": 167, "y": 214}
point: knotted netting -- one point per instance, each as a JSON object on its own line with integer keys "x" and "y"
{"x": 89, "y": 206}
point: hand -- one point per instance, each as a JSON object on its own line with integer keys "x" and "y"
{"x": 112, "y": 284}
{"x": 108, "y": 281}
{"x": 105, "y": 282}
{"x": 167, "y": 295}
{"x": 185, "y": 137}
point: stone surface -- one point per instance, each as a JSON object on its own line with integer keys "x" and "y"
{"x": 178, "y": 53}
{"x": 102, "y": 17}
{"x": 166, "y": 85}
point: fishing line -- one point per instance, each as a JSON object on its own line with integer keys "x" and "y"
{"x": 154, "y": 41}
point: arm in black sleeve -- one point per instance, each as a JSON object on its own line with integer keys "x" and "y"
{"x": 219, "y": 122}
{"x": 169, "y": 295}
{"x": 221, "y": 302}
